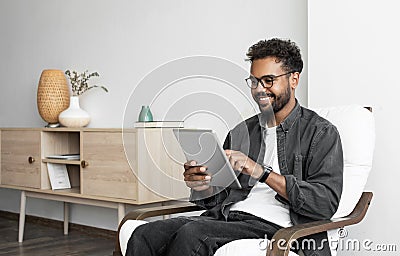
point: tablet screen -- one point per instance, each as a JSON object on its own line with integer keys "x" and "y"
{"x": 203, "y": 147}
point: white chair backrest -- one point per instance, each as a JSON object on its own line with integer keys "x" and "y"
{"x": 356, "y": 127}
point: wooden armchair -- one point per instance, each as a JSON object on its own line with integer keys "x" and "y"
{"x": 356, "y": 127}
{"x": 287, "y": 234}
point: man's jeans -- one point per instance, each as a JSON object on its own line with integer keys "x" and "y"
{"x": 201, "y": 235}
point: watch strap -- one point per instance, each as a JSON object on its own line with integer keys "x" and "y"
{"x": 267, "y": 171}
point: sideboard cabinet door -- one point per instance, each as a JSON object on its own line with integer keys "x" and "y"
{"x": 105, "y": 170}
{"x": 21, "y": 159}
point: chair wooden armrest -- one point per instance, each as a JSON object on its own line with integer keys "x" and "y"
{"x": 282, "y": 240}
{"x": 143, "y": 213}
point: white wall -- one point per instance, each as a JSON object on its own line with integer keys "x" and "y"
{"x": 125, "y": 41}
{"x": 353, "y": 58}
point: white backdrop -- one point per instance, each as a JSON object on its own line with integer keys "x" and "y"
{"x": 124, "y": 41}
{"x": 353, "y": 58}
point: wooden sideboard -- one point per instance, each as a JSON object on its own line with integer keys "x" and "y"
{"x": 137, "y": 166}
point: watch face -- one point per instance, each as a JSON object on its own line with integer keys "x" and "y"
{"x": 267, "y": 168}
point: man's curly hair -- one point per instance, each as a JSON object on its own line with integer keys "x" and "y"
{"x": 284, "y": 51}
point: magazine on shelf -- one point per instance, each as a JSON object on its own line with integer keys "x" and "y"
{"x": 65, "y": 157}
{"x": 159, "y": 124}
{"x": 58, "y": 176}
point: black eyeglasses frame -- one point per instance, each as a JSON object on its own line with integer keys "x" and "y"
{"x": 272, "y": 78}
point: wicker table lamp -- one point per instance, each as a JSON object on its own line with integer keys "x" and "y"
{"x": 52, "y": 96}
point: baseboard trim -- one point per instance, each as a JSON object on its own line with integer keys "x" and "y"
{"x": 91, "y": 231}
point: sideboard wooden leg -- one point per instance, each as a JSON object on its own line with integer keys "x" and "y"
{"x": 66, "y": 217}
{"x": 22, "y": 217}
{"x": 121, "y": 212}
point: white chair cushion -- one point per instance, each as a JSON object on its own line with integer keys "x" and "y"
{"x": 126, "y": 231}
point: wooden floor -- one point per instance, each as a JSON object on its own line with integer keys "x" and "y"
{"x": 45, "y": 240}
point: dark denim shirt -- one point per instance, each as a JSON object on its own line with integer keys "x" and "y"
{"x": 310, "y": 158}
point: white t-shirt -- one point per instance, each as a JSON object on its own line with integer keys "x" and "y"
{"x": 261, "y": 200}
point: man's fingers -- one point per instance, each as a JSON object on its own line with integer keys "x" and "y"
{"x": 238, "y": 166}
{"x": 196, "y": 177}
{"x": 199, "y": 170}
{"x": 189, "y": 164}
{"x": 198, "y": 185}
{"x": 238, "y": 160}
{"x": 232, "y": 161}
{"x": 228, "y": 152}
{"x": 201, "y": 188}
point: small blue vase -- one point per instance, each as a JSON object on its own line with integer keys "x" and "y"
{"x": 145, "y": 114}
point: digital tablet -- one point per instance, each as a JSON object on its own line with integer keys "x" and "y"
{"x": 203, "y": 147}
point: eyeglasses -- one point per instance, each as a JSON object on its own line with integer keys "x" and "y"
{"x": 266, "y": 81}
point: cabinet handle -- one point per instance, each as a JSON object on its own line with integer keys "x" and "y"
{"x": 84, "y": 164}
{"x": 31, "y": 160}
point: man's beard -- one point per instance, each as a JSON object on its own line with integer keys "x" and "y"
{"x": 279, "y": 101}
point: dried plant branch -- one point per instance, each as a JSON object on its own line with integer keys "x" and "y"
{"x": 79, "y": 82}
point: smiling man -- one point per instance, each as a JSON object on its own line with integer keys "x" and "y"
{"x": 291, "y": 169}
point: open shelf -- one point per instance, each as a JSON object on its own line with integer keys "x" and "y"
{"x": 73, "y": 190}
{"x": 60, "y": 161}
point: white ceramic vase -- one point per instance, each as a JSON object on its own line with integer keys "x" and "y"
{"x": 74, "y": 116}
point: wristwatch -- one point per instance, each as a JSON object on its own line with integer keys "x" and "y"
{"x": 267, "y": 171}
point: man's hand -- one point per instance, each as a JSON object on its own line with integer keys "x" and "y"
{"x": 241, "y": 162}
{"x": 196, "y": 177}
